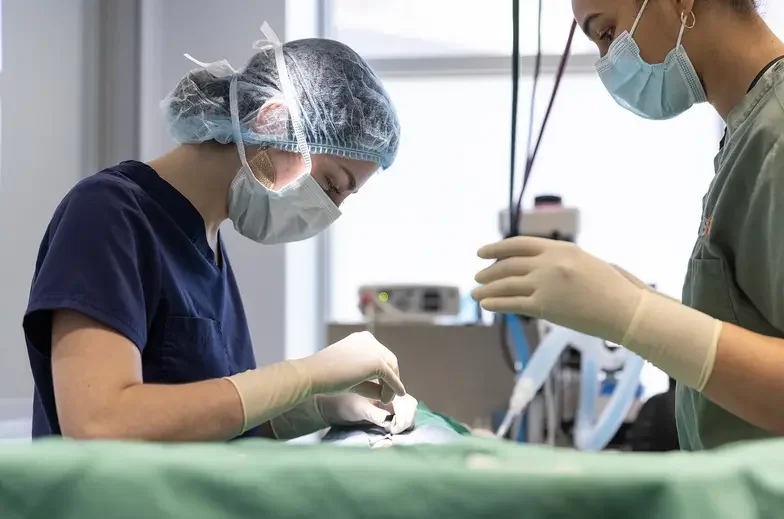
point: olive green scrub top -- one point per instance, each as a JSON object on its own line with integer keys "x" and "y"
{"x": 736, "y": 271}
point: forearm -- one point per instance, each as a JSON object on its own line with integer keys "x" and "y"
{"x": 211, "y": 410}
{"x": 737, "y": 369}
{"x": 748, "y": 377}
{"x": 202, "y": 411}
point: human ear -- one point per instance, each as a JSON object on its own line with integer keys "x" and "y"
{"x": 272, "y": 118}
{"x": 685, "y": 6}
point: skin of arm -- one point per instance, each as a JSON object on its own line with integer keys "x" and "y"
{"x": 748, "y": 376}
{"x": 100, "y": 393}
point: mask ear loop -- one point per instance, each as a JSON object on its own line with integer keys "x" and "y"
{"x": 639, "y": 17}
{"x": 685, "y": 24}
{"x": 237, "y": 132}
{"x": 288, "y": 90}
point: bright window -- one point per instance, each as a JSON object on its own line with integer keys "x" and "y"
{"x": 773, "y": 12}
{"x": 416, "y": 28}
{"x": 638, "y": 185}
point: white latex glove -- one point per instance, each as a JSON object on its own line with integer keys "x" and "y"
{"x": 357, "y": 364}
{"x": 639, "y": 283}
{"x": 322, "y": 411}
{"x": 405, "y": 408}
{"x": 559, "y": 282}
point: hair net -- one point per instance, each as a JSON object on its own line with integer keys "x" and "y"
{"x": 344, "y": 108}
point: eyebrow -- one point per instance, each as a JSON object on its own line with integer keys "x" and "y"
{"x": 586, "y": 26}
{"x": 352, "y": 180}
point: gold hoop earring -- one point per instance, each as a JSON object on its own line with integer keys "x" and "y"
{"x": 688, "y": 19}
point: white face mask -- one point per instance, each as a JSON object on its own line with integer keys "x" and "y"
{"x": 298, "y": 211}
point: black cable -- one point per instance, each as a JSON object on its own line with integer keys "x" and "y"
{"x": 558, "y": 77}
{"x": 534, "y": 88}
{"x": 515, "y": 96}
{"x": 513, "y": 227}
{"x": 515, "y": 211}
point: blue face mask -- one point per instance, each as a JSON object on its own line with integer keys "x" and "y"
{"x": 660, "y": 91}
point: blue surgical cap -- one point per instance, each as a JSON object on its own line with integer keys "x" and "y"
{"x": 344, "y": 108}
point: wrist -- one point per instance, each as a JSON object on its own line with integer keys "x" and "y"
{"x": 305, "y": 367}
{"x": 269, "y": 391}
{"x": 677, "y": 339}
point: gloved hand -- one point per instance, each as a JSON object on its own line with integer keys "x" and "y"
{"x": 322, "y": 411}
{"x": 559, "y": 282}
{"x": 639, "y": 283}
{"x": 631, "y": 277}
{"x": 357, "y": 364}
{"x": 405, "y": 408}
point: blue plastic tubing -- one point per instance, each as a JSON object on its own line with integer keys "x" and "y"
{"x": 590, "y": 433}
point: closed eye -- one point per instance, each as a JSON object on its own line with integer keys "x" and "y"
{"x": 607, "y": 35}
{"x": 331, "y": 188}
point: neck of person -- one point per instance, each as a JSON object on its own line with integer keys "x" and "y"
{"x": 202, "y": 173}
{"x": 735, "y": 52}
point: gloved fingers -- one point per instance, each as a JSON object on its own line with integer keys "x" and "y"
{"x": 368, "y": 389}
{"x": 384, "y": 390}
{"x": 388, "y": 407}
{"x": 388, "y": 373}
{"x": 517, "y": 246}
{"x": 374, "y": 415}
{"x": 522, "y": 305}
{"x": 391, "y": 361}
{"x": 405, "y": 414}
{"x": 517, "y": 266}
{"x": 391, "y": 385}
{"x": 388, "y": 393}
{"x": 400, "y": 424}
{"x": 514, "y": 286}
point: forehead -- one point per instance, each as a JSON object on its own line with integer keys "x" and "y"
{"x": 583, "y": 8}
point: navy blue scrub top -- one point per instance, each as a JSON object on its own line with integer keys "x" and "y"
{"x": 127, "y": 249}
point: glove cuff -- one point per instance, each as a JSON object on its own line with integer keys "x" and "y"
{"x": 304, "y": 419}
{"x": 675, "y": 338}
{"x": 269, "y": 391}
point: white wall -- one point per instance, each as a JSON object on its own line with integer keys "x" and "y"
{"x": 43, "y": 95}
{"x": 278, "y": 284}
{"x": 69, "y": 108}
